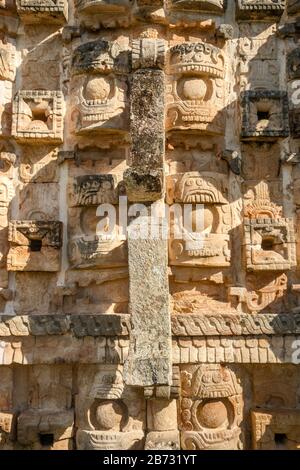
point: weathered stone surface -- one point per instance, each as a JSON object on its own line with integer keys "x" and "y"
{"x": 149, "y": 361}
{"x": 187, "y": 336}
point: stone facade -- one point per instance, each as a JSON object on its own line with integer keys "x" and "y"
{"x": 156, "y": 342}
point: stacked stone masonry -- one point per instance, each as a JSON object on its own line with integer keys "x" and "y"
{"x": 132, "y": 343}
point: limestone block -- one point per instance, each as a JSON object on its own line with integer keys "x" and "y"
{"x": 162, "y": 440}
{"x": 147, "y": 119}
{"x": 272, "y": 430}
{"x": 211, "y": 6}
{"x": 269, "y": 244}
{"x": 47, "y": 11}
{"x": 34, "y": 246}
{"x": 7, "y": 62}
{"x": 262, "y": 9}
{"x": 37, "y": 116}
{"x": 148, "y": 53}
{"x": 149, "y": 361}
{"x": 44, "y": 427}
{"x": 265, "y": 114}
{"x": 101, "y": 440}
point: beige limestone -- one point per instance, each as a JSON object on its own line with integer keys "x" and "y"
{"x": 157, "y": 344}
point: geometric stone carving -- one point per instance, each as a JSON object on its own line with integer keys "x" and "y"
{"x": 269, "y": 244}
{"x": 268, "y": 295}
{"x": 211, "y": 408}
{"x": 46, "y": 429}
{"x": 260, "y": 9}
{"x": 195, "y": 90}
{"x": 275, "y": 430}
{"x": 265, "y": 114}
{"x": 35, "y": 246}
{"x": 148, "y": 53}
{"x": 37, "y": 116}
{"x": 107, "y": 13}
{"x": 46, "y": 11}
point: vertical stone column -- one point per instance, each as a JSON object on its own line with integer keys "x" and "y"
{"x": 144, "y": 179}
{"x": 149, "y": 362}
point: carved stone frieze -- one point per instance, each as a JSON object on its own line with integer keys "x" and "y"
{"x": 37, "y": 116}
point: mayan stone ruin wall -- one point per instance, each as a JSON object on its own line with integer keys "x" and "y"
{"x": 149, "y": 342}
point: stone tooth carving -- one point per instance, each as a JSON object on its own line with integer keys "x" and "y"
{"x": 50, "y": 11}
{"x": 211, "y": 408}
{"x": 260, "y": 9}
{"x": 35, "y": 246}
{"x": 195, "y": 97}
{"x": 269, "y": 240}
{"x": 196, "y": 187}
{"x": 211, "y": 6}
{"x": 37, "y": 116}
{"x": 90, "y": 190}
{"x": 99, "y": 70}
{"x": 275, "y": 429}
{"x": 265, "y": 114}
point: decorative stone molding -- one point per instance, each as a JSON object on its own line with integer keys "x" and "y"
{"x": 48, "y": 11}
{"x": 34, "y": 245}
{"x": 260, "y": 9}
{"x": 265, "y": 114}
{"x": 269, "y": 244}
{"x": 37, "y": 116}
{"x": 211, "y": 6}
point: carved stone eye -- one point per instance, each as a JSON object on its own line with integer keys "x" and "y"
{"x": 212, "y": 414}
{"x": 194, "y": 89}
{"x": 109, "y": 415}
{"x": 97, "y": 88}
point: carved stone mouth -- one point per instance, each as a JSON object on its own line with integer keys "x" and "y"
{"x": 104, "y": 102}
{"x": 199, "y": 197}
